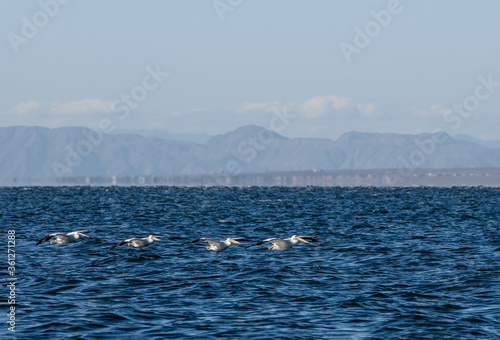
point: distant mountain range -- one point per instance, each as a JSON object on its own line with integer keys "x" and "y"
{"x": 42, "y": 153}
{"x": 488, "y": 143}
{"x": 186, "y": 137}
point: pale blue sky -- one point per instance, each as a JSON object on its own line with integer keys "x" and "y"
{"x": 264, "y": 56}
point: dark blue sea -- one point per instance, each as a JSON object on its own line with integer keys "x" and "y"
{"x": 392, "y": 263}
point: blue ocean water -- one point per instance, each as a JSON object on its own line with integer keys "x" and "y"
{"x": 392, "y": 263}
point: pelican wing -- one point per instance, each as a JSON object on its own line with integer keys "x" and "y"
{"x": 193, "y": 241}
{"x": 123, "y": 242}
{"x": 280, "y": 243}
{"x": 309, "y": 238}
{"x": 45, "y": 239}
{"x": 240, "y": 239}
{"x": 60, "y": 236}
{"x": 212, "y": 242}
{"x": 263, "y": 241}
{"x": 78, "y": 231}
{"x": 48, "y": 237}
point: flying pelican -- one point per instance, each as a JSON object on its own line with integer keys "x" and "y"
{"x": 287, "y": 243}
{"x": 219, "y": 245}
{"x": 63, "y": 239}
{"x": 138, "y": 242}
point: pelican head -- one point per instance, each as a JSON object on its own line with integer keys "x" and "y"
{"x": 296, "y": 238}
{"x": 232, "y": 241}
{"x": 81, "y": 234}
{"x": 152, "y": 237}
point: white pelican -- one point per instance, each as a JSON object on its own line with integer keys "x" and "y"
{"x": 63, "y": 239}
{"x": 219, "y": 245}
{"x": 138, "y": 242}
{"x": 287, "y": 243}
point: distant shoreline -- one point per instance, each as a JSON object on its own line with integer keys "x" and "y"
{"x": 488, "y": 177}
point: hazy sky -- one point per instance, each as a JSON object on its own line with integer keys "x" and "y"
{"x": 326, "y": 67}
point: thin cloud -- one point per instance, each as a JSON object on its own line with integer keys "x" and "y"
{"x": 25, "y": 108}
{"x": 319, "y": 105}
{"x": 257, "y": 106}
{"x": 76, "y": 107}
{"x": 85, "y": 112}
{"x": 367, "y": 110}
{"x": 79, "y": 107}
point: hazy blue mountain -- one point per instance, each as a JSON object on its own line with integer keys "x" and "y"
{"x": 488, "y": 143}
{"x": 353, "y": 150}
{"x": 36, "y": 152}
{"x": 29, "y": 152}
{"x": 245, "y": 135}
{"x": 389, "y": 150}
{"x": 187, "y": 137}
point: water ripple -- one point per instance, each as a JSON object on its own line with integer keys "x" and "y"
{"x": 393, "y": 263}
